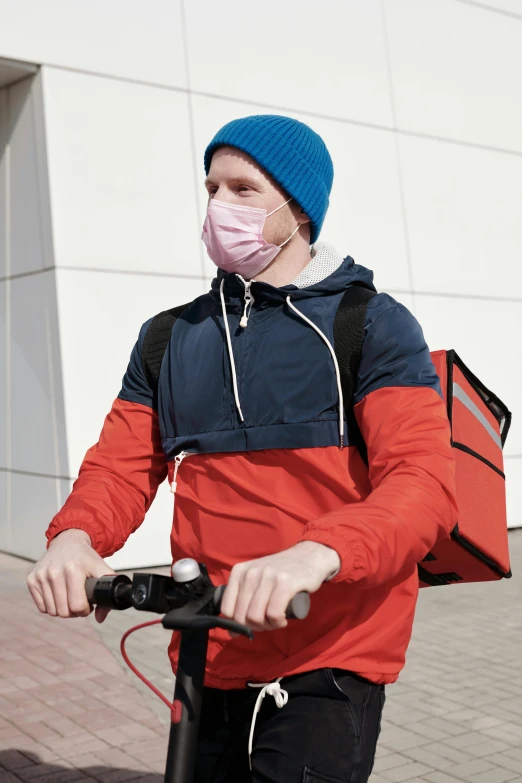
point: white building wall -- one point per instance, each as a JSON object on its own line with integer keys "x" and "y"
{"x": 420, "y": 105}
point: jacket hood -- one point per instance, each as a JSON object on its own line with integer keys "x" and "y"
{"x": 344, "y": 276}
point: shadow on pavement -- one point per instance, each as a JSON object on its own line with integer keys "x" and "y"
{"x": 21, "y": 765}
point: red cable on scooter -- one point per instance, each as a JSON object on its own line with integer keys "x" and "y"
{"x": 133, "y": 668}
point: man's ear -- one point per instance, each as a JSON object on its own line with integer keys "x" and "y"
{"x": 303, "y": 217}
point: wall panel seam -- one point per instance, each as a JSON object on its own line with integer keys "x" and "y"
{"x": 8, "y": 326}
{"x": 296, "y": 110}
{"x": 35, "y": 474}
{"x": 190, "y": 107}
{"x": 486, "y": 7}
{"x": 398, "y": 162}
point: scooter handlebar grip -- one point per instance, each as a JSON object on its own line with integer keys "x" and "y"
{"x": 90, "y": 584}
{"x": 112, "y": 591}
{"x": 297, "y": 609}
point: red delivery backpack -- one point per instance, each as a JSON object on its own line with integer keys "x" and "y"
{"x": 477, "y": 550}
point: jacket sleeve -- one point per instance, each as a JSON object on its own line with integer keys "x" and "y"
{"x": 403, "y": 420}
{"x": 119, "y": 476}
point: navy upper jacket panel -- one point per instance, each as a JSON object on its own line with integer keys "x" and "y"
{"x": 285, "y": 373}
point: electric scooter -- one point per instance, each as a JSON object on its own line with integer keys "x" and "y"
{"x": 191, "y": 604}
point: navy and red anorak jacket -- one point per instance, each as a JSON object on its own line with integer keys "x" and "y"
{"x": 250, "y": 488}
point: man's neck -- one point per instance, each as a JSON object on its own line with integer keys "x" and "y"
{"x": 288, "y": 263}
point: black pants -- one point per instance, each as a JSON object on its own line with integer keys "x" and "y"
{"x": 326, "y": 733}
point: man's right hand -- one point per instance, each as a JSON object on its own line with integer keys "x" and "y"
{"x": 57, "y": 581}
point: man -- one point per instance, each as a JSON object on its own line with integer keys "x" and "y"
{"x": 272, "y": 493}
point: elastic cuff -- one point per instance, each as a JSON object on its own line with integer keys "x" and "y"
{"x": 87, "y": 527}
{"x": 346, "y": 554}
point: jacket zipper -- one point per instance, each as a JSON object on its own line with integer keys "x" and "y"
{"x": 248, "y": 303}
{"x": 178, "y": 459}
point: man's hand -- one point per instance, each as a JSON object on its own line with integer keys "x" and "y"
{"x": 57, "y": 581}
{"x": 259, "y": 591}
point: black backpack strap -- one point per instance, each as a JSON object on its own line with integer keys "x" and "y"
{"x": 155, "y": 343}
{"x": 349, "y": 336}
{"x": 348, "y": 340}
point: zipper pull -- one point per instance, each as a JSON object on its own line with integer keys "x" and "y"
{"x": 178, "y": 459}
{"x": 248, "y": 304}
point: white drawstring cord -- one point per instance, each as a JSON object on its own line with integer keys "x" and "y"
{"x": 230, "y": 352}
{"x": 336, "y": 364}
{"x": 280, "y": 697}
{"x": 315, "y": 328}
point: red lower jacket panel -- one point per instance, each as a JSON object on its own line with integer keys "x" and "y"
{"x": 237, "y": 507}
{"x": 258, "y": 503}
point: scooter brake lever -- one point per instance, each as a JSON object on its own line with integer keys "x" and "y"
{"x": 177, "y": 620}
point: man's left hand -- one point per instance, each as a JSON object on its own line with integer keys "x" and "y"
{"x": 259, "y": 591}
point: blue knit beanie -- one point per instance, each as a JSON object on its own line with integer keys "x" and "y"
{"x": 291, "y": 152}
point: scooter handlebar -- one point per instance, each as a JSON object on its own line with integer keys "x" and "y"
{"x": 115, "y": 591}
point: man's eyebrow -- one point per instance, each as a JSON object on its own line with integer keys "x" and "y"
{"x": 247, "y": 180}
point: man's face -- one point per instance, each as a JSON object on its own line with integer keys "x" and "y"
{"x": 234, "y": 177}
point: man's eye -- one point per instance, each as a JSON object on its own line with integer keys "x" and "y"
{"x": 243, "y": 188}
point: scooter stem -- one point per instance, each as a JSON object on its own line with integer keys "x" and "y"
{"x": 184, "y": 728}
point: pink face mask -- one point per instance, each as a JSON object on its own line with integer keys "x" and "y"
{"x": 233, "y": 234}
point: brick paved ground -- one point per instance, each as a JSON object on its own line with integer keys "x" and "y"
{"x": 70, "y": 712}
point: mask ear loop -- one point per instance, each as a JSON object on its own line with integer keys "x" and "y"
{"x": 292, "y": 235}
{"x": 280, "y": 207}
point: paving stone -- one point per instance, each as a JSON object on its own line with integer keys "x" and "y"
{"x": 392, "y": 760}
{"x": 487, "y": 747}
{"x": 441, "y": 777}
{"x": 502, "y": 760}
{"x": 464, "y": 741}
{"x": 8, "y": 733}
{"x": 67, "y": 776}
{"x": 406, "y": 772}
{"x": 514, "y": 753}
{"x": 493, "y": 776}
{"x": 8, "y": 777}
{"x": 469, "y": 768}
{"x": 433, "y": 760}
{"x": 41, "y": 772}
{"x": 11, "y": 760}
{"x": 89, "y": 745}
{"x": 429, "y": 733}
{"x": 445, "y": 727}
{"x": 484, "y": 722}
{"x": 119, "y": 776}
{"x": 507, "y": 732}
